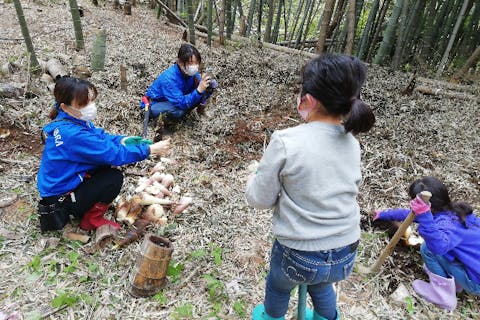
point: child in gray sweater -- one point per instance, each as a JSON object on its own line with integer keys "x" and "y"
{"x": 309, "y": 175}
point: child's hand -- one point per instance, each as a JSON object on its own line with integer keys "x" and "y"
{"x": 418, "y": 206}
{"x": 160, "y": 148}
{"x": 253, "y": 166}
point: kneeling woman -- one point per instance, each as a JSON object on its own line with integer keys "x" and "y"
{"x": 76, "y": 175}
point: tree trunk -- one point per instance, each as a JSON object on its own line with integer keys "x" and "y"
{"x": 276, "y": 28}
{"x": 34, "y": 65}
{"x": 337, "y": 17}
{"x": 388, "y": 39}
{"x": 351, "y": 27}
{"x": 77, "y": 24}
{"x": 397, "y": 56}
{"x": 191, "y": 23}
{"x": 366, "y": 31}
{"x": 259, "y": 26}
{"x": 286, "y": 19}
{"x": 413, "y": 28}
{"x": 452, "y": 38}
{"x": 228, "y": 18}
{"x": 377, "y": 29}
{"x": 268, "y": 28}
{"x": 209, "y": 22}
{"x": 98, "y": 51}
{"x": 297, "y": 17}
{"x": 221, "y": 26}
{"x": 429, "y": 30}
{"x": 471, "y": 62}
{"x": 325, "y": 25}
{"x": 314, "y": 8}
{"x": 302, "y": 23}
{"x": 251, "y": 10}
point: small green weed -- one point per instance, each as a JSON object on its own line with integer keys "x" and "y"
{"x": 64, "y": 298}
{"x": 239, "y": 308}
{"x": 184, "y": 312}
{"x": 174, "y": 270}
{"x": 160, "y": 298}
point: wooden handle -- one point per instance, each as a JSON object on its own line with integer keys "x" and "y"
{"x": 425, "y": 195}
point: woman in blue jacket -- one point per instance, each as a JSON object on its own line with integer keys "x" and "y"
{"x": 451, "y": 251}
{"x": 76, "y": 175}
{"x": 180, "y": 88}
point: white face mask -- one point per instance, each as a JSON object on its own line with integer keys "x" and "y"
{"x": 191, "y": 70}
{"x": 303, "y": 113}
{"x": 89, "y": 112}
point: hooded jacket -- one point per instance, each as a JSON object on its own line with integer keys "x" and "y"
{"x": 174, "y": 86}
{"x": 74, "y": 147}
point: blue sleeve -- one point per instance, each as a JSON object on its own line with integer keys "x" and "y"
{"x": 115, "y": 138}
{"x": 101, "y": 149}
{"x": 174, "y": 94}
{"x": 439, "y": 234}
{"x": 394, "y": 214}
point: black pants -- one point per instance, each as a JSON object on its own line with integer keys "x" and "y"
{"x": 103, "y": 186}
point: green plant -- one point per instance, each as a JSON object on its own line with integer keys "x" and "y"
{"x": 64, "y": 298}
{"x": 200, "y": 253}
{"x": 216, "y": 253}
{"x": 184, "y": 312}
{"x": 216, "y": 288}
{"x": 34, "y": 265}
{"x": 73, "y": 257}
{"x": 160, "y": 298}
{"x": 174, "y": 270}
{"x": 239, "y": 308}
{"x": 410, "y": 305}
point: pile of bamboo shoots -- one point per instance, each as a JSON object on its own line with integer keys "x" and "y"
{"x": 154, "y": 200}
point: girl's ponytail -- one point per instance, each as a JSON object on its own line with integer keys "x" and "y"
{"x": 361, "y": 117}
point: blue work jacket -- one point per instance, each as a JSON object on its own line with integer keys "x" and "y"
{"x": 73, "y": 147}
{"x": 445, "y": 235}
{"x": 176, "y": 87}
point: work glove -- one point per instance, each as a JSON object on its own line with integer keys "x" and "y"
{"x": 418, "y": 206}
{"x": 135, "y": 141}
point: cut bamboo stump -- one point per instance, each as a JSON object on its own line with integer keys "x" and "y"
{"x": 56, "y": 69}
{"x": 98, "y": 52}
{"x": 151, "y": 266}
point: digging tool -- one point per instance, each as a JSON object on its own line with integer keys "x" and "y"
{"x": 425, "y": 195}
{"x": 302, "y": 302}
{"x": 146, "y": 114}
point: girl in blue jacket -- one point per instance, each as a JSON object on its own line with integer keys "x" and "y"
{"x": 180, "y": 88}
{"x": 451, "y": 251}
{"x": 76, "y": 175}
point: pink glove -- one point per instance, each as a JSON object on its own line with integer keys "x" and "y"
{"x": 377, "y": 215}
{"x": 418, "y": 206}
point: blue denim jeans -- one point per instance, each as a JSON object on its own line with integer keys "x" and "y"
{"x": 318, "y": 269}
{"x": 177, "y": 113}
{"x": 444, "y": 268}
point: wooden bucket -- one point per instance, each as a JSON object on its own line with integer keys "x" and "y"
{"x": 150, "y": 269}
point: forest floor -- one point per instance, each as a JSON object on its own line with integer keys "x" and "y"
{"x": 221, "y": 245}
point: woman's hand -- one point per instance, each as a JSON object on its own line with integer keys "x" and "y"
{"x": 204, "y": 83}
{"x": 160, "y": 148}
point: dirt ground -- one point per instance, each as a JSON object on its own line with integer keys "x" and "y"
{"x": 221, "y": 246}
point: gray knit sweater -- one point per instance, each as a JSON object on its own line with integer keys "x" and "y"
{"x": 310, "y": 175}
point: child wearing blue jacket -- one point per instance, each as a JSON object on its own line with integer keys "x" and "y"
{"x": 310, "y": 175}
{"x": 180, "y": 88}
{"x": 76, "y": 175}
{"x": 451, "y": 251}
